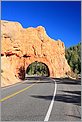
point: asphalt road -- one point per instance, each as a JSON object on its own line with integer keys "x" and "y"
{"x": 42, "y": 99}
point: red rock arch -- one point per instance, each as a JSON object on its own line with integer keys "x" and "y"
{"x": 24, "y": 62}
{"x": 43, "y": 60}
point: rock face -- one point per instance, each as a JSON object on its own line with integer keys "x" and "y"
{"x": 21, "y": 47}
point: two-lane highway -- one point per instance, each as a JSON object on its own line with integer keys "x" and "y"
{"x": 42, "y": 99}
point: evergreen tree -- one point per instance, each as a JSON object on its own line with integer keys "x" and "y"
{"x": 73, "y": 56}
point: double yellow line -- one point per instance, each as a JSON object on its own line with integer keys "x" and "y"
{"x": 14, "y": 94}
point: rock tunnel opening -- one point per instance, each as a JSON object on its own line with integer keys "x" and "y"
{"x": 38, "y": 69}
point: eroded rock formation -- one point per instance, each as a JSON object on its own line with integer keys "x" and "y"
{"x": 20, "y": 47}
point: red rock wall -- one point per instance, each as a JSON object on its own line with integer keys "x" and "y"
{"x": 22, "y": 47}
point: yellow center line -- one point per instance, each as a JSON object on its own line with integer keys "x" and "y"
{"x": 14, "y": 94}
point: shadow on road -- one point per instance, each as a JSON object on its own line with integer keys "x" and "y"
{"x": 67, "y": 81}
{"x": 58, "y": 80}
{"x": 38, "y": 82}
{"x": 74, "y": 116}
{"x": 74, "y": 92}
{"x": 73, "y": 99}
{"x": 66, "y": 98}
{"x": 37, "y": 78}
{"x": 41, "y": 79}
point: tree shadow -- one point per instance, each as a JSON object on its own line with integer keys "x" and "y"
{"x": 32, "y": 82}
{"x": 58, "y": 80}
{"x": 68, "y": 81}
{"x": 66, "y": 98}
{"x": 73, "y": 99}
{"x": 42, "y": 97}
{"x": 37, "y": 78}
{"x": 41, "y": 79}
{"x": 79, "y": 117}
{"x": 74, "y": 92}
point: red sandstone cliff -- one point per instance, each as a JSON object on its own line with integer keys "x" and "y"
{"x": 20, "y": 47}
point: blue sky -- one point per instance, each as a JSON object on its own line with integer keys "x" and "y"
{"x": 62, "y": 20}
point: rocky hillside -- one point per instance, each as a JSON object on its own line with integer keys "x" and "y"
{"x": 21, "y": 47}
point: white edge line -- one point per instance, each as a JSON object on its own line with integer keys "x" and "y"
{"x": 13, "y": 85}
{"x": 51, "y": 104}
{"x": 16, "y": 84}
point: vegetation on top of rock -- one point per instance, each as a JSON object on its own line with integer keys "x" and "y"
{"x": 73, "y": 56}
